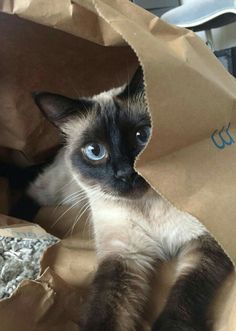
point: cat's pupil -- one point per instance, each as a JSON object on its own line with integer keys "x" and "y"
{"x": 95, "y": 149}
{"x": 143, "y": 134}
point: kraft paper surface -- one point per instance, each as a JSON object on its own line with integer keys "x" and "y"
{"x": 83, "y": 47}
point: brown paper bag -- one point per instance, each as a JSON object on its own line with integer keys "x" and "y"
{"x": 50, "y": 302}
{"x": 191, "y": 155}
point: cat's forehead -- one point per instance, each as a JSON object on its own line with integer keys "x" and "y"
{"x": 108, "y": 110}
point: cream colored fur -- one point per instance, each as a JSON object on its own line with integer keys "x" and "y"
{"x": 143, "y": 229}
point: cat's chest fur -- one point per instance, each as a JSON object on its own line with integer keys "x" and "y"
{"x": 149, "y": 226}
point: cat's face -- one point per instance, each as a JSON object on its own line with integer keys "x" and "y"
{"x": 104, "y": 135}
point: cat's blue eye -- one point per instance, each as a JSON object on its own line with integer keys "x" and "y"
{"x": 95, "y": 152}
{"x": 143, "y": 134}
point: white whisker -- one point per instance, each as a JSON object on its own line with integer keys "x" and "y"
{"x": 78, "y": 218}
{"x": 65, "y": 185}
{"x": 60, "y": 217}
{"x": 68, "y": 200}
{"x": 87, "y": 222}
{"x": 72, "y": 196}
{"x": 96, "y": 194}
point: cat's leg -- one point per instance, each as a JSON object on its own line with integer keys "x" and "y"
{"x": 202, "y": 268}
{"x": 118, "y": 296}
{"x": 127, "y": 260}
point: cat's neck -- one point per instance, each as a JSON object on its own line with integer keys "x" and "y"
{"x": 125, "y": 226}
{"x": 112, "y": 208}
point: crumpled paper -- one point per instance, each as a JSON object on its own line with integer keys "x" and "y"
{"x": 190, "y": 158}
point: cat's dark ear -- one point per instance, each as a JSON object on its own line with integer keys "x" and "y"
{"x": 135, "y": 86}
{"x": 57, "y": 108}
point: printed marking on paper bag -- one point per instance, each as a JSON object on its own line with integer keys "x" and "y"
{"x": 222, "y": 138}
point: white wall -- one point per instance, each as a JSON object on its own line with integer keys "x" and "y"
{"x": 222, "y": 37}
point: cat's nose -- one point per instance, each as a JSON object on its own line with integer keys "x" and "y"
{"x": 125, "y": 174}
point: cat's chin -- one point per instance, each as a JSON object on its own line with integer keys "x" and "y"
{"x": 134, "y": 194}
{"x": 118, "y": 191}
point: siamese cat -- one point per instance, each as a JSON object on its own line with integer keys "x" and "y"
{"x": 135, "y": 229}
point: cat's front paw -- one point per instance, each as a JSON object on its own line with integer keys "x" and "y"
{"x": 91, "y": 326}
{"x": 96, "y": 320}
{"x": 174, "y": 325}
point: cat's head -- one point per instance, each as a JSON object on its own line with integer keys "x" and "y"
{"x": 104, "y": 135}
